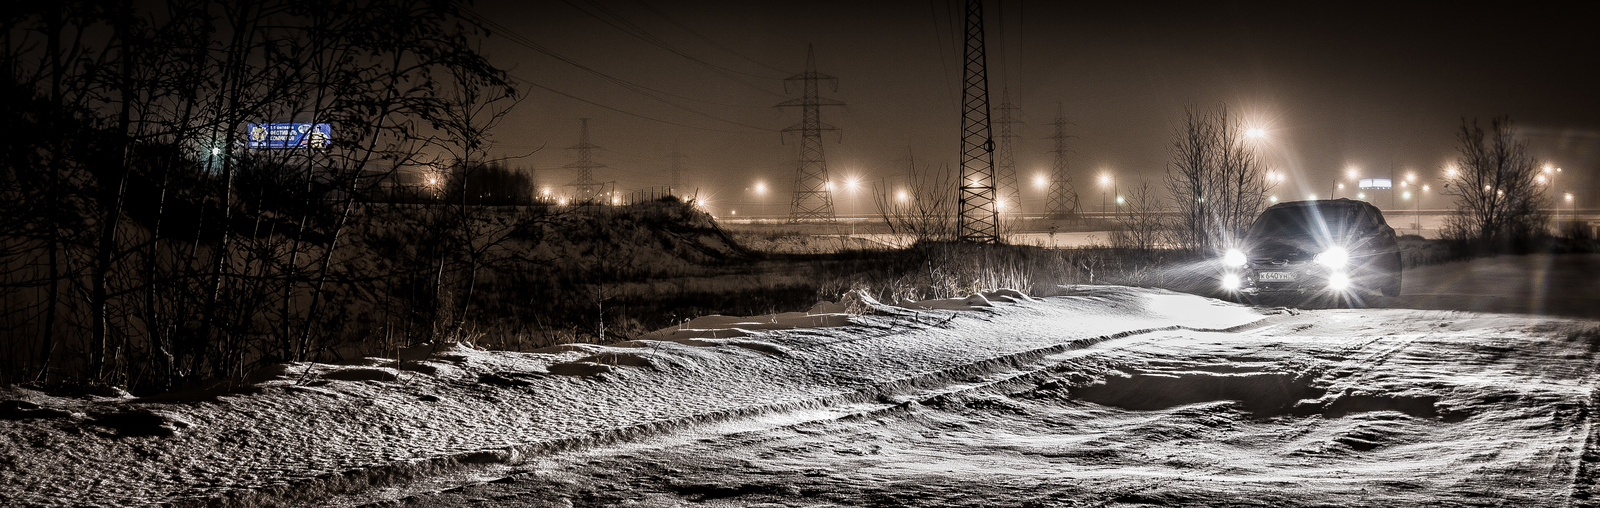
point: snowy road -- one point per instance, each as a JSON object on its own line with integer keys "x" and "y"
{"x": 1341, "y": 408}
{"x": 1541, "y": 284}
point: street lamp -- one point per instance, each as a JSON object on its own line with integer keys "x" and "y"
{"x": 1351, "y": 172}
{"x": 1552, "y": 172}
{"x": 1107, "y": 179}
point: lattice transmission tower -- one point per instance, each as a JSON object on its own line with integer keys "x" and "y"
{"x": 586, "y": 189}
{"x": 813, "y": 198}
{"x": 978, "y": 221}
{"x": 1063, "y": 199}
{"x": 1009, "y": 194}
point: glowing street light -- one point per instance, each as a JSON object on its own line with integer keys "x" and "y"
{"x": 1255, "y": 132}
{"x": 1107, "y": 180}
{"x": 1041, "y": 181}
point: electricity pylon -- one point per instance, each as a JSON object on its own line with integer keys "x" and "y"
{"x": 813, "y": 197}
{"x": 1009, "y": 195}
{"x": 587, "y": 190}
{"x": 1063, "y": 199}
{"x": 978, "y": 221}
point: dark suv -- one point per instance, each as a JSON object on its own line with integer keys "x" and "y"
{"x": 1335, "y": 246}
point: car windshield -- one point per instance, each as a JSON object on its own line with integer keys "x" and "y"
{"x": 1322, "y": 223}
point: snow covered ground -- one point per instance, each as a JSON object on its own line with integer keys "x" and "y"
{"x": 1107, "y": 395}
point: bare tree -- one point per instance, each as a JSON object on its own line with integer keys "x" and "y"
{"x": 1216, "y": 179}
{"x": 151, "y": 243}
{"x": 1498, "y": 200}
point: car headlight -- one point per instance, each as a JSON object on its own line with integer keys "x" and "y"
{"x": 1338, "y": 282}
{"x": 1333, "y": 258}
{"x": 1234, "y": 257}
{"x": 1230, "y": 281}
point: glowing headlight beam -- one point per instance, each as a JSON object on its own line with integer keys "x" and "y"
{"x": 1333, "y": 258}
{"x": 1230, "y": 281}
{"x": 1338, "y": 282}
{"x": 1234, "y": 257}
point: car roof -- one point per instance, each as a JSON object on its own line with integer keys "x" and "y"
{"x": 1322, "y": 204}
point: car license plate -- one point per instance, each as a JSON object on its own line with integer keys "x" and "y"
{"x": 1275, "y": 276}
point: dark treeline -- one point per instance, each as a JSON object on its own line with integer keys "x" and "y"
{"x": 143, "y": 244}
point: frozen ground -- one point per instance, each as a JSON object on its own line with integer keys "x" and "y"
{"x": 1106, "y": 396}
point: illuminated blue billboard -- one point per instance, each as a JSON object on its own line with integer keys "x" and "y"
{"x": 290, "y": 135}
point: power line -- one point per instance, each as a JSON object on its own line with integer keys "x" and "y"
{"x": 634, "y": 87}
{"x": 707, "y": 40}
{"x": 624, "y": 112}
{"x": 642, "y": 34}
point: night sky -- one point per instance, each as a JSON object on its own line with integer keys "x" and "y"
{"x": 1373, "y": 87}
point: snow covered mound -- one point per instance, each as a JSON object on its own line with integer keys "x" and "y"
{"x": 307, "y": 431}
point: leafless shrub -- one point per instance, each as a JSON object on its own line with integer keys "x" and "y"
{"x": 1144, "y": 224}
{"x": 925, "y": 210}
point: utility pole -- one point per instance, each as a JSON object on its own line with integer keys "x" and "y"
{"x": 813, "y": 198}
{"x": 677, "y": 169}
{"x": 587, "y": 190}
{"x": 1010, "y": 196}
{"x": 1063, "y": 198}
{"x": 978, "y": 219}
